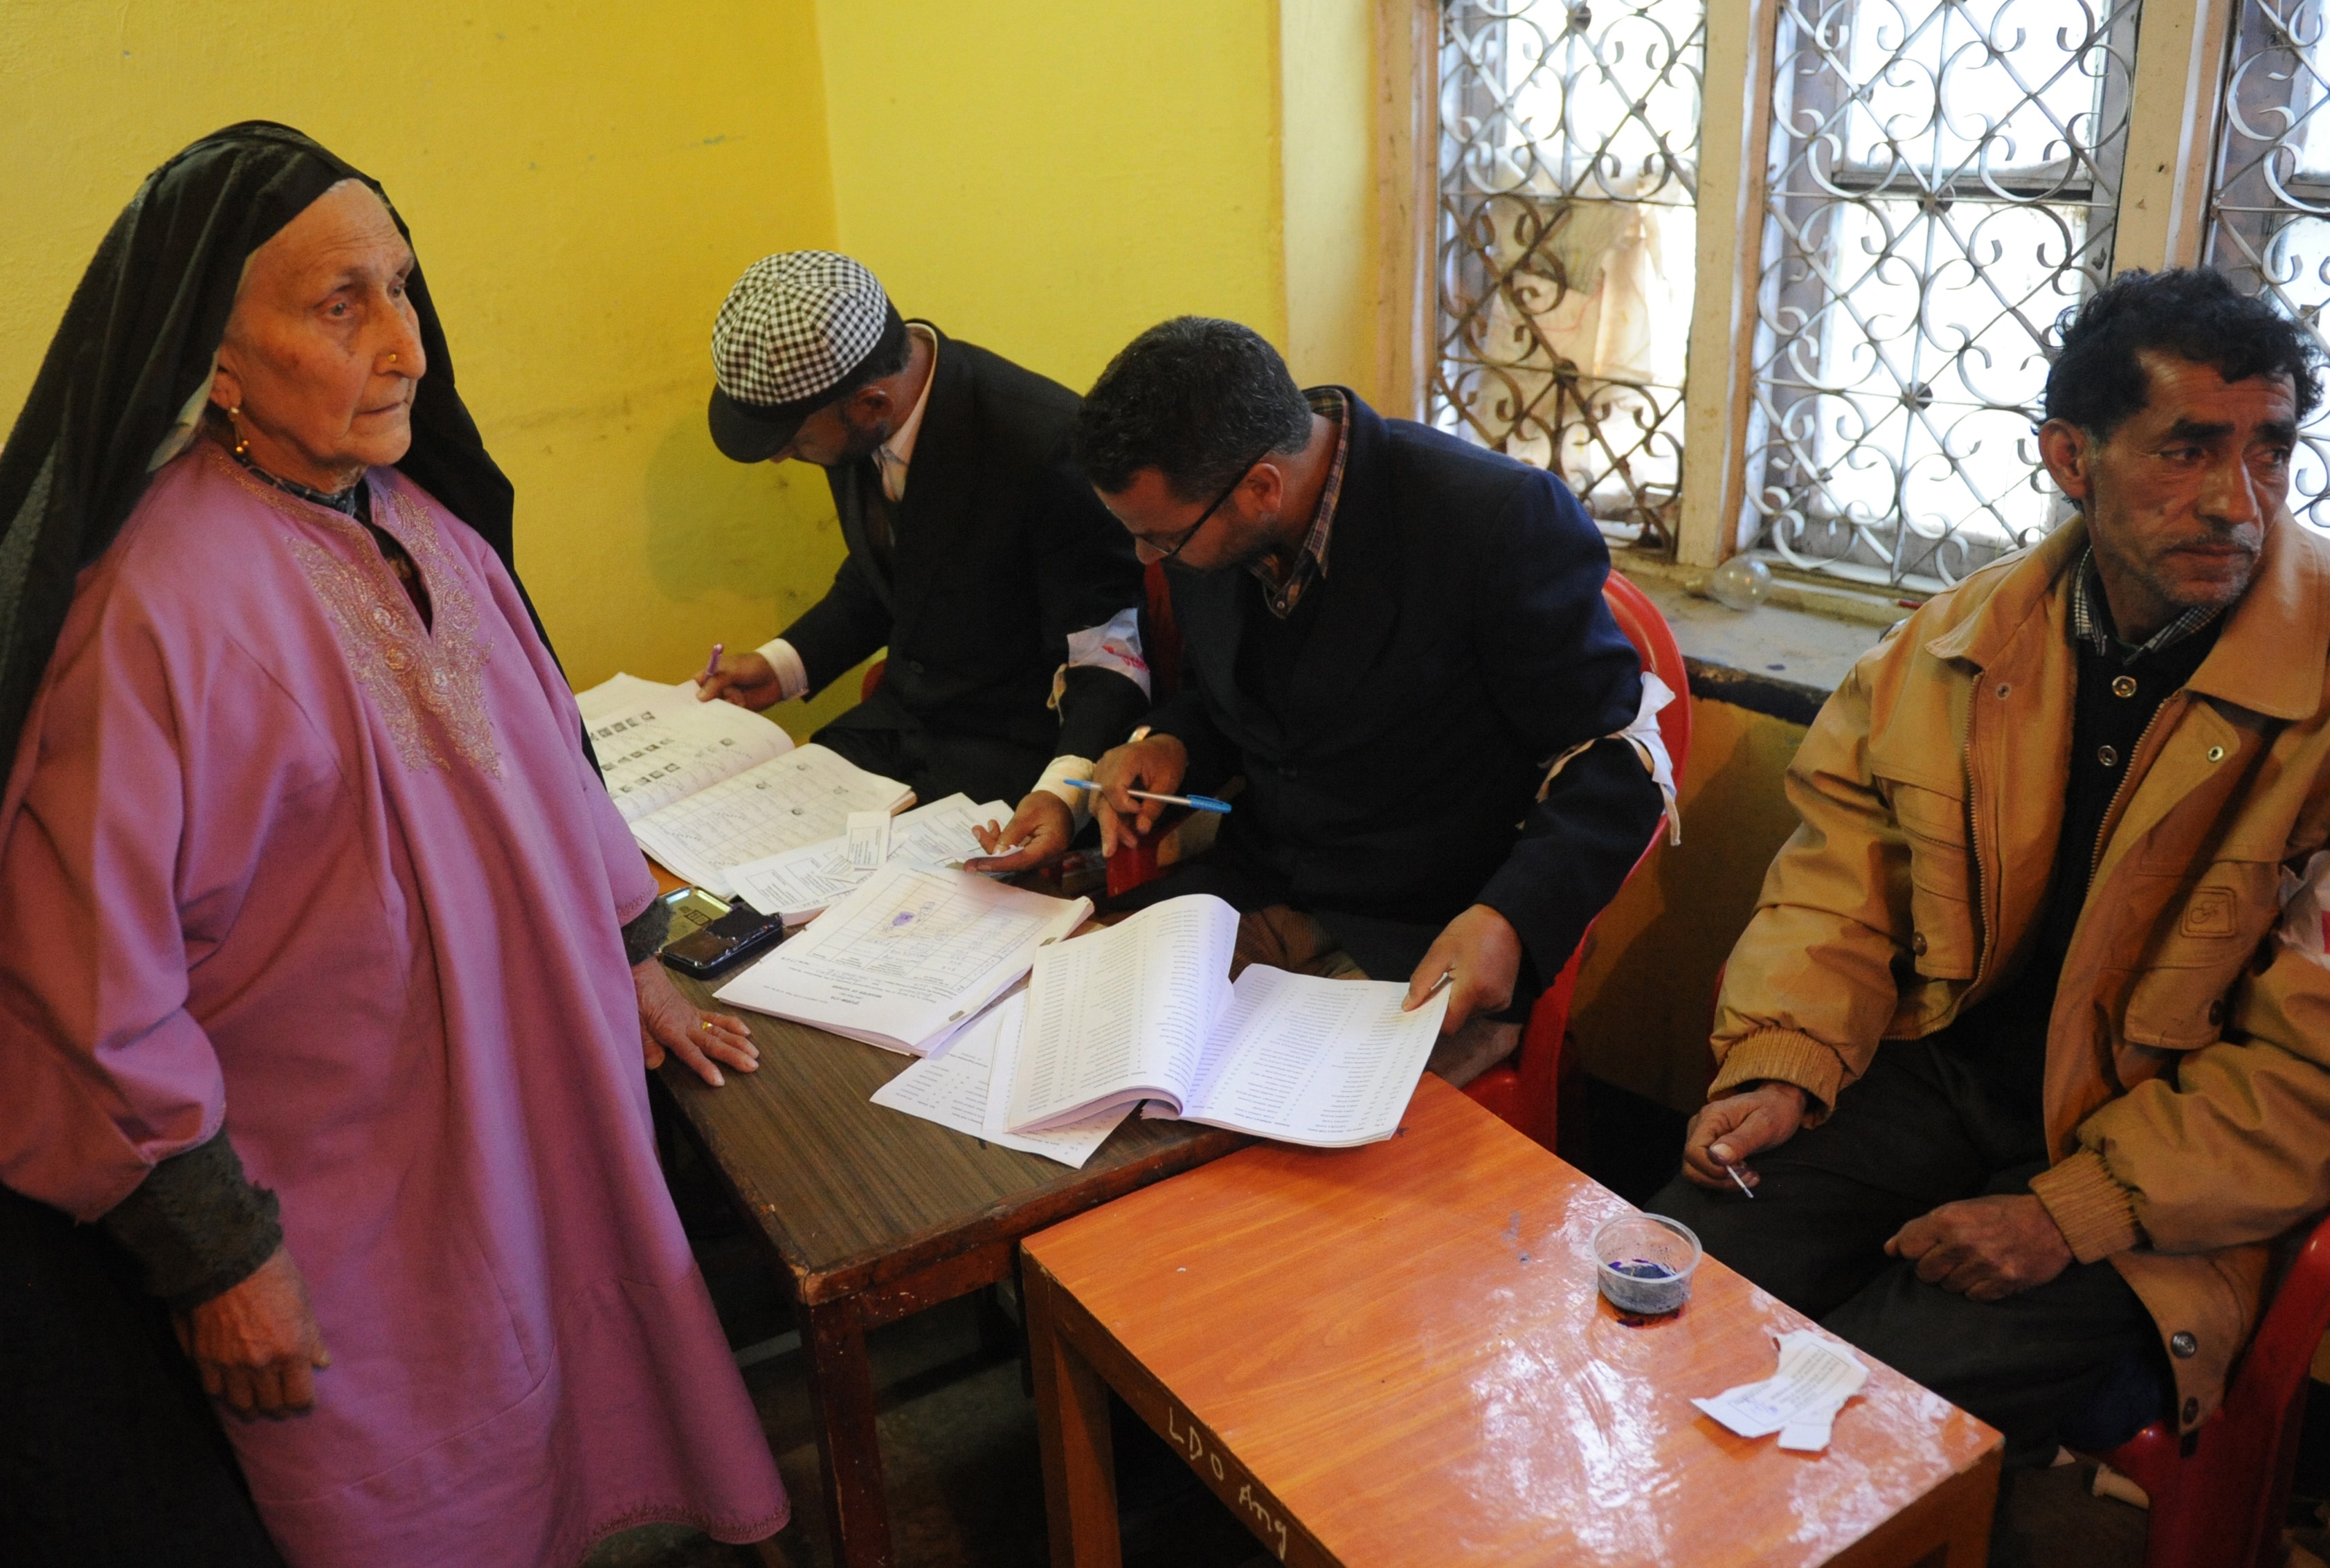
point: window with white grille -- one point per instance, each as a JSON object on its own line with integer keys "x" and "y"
{"x": 2268, "y": 221}
{"x": 1943, "y": 182}
{"x": 1566, "y": 243}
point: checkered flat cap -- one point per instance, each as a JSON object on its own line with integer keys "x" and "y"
{"x": 790, "y": 333}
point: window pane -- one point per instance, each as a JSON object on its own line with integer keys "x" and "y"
{"x": 2269, "y": 208}
{"x": 1943, "y": 182}
{"x": 1568, "y": 174}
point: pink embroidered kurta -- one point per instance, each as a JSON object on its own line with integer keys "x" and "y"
{"x": 275, "y": 853}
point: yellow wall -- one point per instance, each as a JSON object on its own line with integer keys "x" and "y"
{"x": 1647, "y": 987}
{"x": 1333, "y": 274}
{"x": 581, "y": 195}
{"x": 1044, "y": 176}
{"x": 1047, "y": 179}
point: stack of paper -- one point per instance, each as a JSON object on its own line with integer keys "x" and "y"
{"x": 707, "y": 786}
{"x": 965, "y": 1087}
{"x": 907, "y": 958}
{"x": 799, "y": 884}
{"x": 1800, "y": 1401}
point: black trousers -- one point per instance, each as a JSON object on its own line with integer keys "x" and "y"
{"x": 881, "y": 736}
{"x": 1923, "y": 1129}
{"x": 110, "y": 1456}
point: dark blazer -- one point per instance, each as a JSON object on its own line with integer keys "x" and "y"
{"x": 1461, "y": 643}
{"x": 1002, "y": 550}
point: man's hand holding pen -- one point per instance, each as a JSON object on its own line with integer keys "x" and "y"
{"x": 1153, "y": 763}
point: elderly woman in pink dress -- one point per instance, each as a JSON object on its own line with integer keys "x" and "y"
{"x": 325, "y": 964}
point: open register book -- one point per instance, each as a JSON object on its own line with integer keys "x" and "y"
{"x": 965, "y": 1087}
{"x": 1146, "y": 1011}
{"x": 707, "y": 786}
{"x": 907, "y": 958}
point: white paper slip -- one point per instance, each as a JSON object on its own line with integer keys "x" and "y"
{"x": 657, "y": 744}
{"x": 907, "y": 958}
{"x": 957, "y": 1088}
{"x": 797, "y": 885}
{"x": 1800, "y": 1401}
{"x": 802, "y": 797}
{"x": 867, "y": 843}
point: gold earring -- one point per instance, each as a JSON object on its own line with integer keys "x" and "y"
{"x": 241, "y": 442}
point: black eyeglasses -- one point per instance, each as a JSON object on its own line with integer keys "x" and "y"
{"x": 1167, "y": 551}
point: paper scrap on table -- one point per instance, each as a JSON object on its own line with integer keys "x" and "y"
{"x": 1800, "y": 1401}
{"x": 869, "y": 841}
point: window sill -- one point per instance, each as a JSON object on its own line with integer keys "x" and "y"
{"x": 1781, "y": 659}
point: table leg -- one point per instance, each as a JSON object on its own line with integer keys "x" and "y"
{"x": 1071, "y": 1425}
{"x": 841, "y": 1401}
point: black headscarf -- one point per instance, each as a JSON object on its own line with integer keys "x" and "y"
{"x": 139, "y": 339}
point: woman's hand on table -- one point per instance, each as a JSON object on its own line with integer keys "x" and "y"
{"x": 704, "y": 1040}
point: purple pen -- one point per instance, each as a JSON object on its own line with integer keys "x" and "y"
{"x": 713, "y": 669}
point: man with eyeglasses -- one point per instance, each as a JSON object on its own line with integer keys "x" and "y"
{"x": 1009, "y": 604}
{"x": 1397, "y": 639}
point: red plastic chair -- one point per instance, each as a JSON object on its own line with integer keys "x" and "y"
{"x": 2219, "y": 1497}
{"x": 1526, "y": 1093}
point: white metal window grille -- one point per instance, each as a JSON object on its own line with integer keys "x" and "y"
{"x": 2269, "y": 223}
{"x": 1566, "y": 242}
{"x": 1942, "y": 183}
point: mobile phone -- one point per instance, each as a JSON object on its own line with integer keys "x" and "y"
{"x": 692, "y": 910}
{"x": 739, "y": 934}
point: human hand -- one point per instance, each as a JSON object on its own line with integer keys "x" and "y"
{"x": 702, "y": 1040}
{"x": 1155, "y": 763}
{"x": 1041, "y": 827}
{"x": 1984, "y": 1248}
{"x": 746, "y": 679}
{"x": 1481, "y": 954}
{"x": 257, "y": 1345}
{"x": 1724, "y": 1134}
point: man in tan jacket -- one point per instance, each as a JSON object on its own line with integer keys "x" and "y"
{"x": 2024, "y": 1058}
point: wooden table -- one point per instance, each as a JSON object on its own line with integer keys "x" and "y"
{"x": 1396, "y": 1354}
{"x": 873, "y": 1214}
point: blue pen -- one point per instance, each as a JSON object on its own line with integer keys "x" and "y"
{"x": 1196, "y": 802}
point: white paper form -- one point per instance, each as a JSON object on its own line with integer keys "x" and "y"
{"x": 1801, "y": 1400}
{"x": 907, "y": 958}
{"x": 792, "y": 800}
{"x": 620, "y": 690}
{"x": 1332, "y": 1063}
{"x": 657, "y": 744}
{"x": 965, "y": 1087}
{"x": 1121, "y": 1016}
{"x": 798, "y": 884}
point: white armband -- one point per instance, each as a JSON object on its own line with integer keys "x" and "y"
{"x": 1115, "y": 646}
{"x": 1642, "y": 734}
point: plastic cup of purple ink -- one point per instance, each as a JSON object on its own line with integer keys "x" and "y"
{"x": 1643, "y": 1262}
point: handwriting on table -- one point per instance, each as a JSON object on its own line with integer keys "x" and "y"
{"x": 1206, "y": 1454}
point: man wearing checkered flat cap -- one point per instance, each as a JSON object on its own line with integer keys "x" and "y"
{"x": 1009, "y": 599}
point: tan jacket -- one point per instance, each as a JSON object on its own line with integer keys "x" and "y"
{"x": 2188, "y": 1056}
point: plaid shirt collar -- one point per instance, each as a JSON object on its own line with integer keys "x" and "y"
{"x": 2092, "y": 620}
{"x": 1310, "y": 561}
